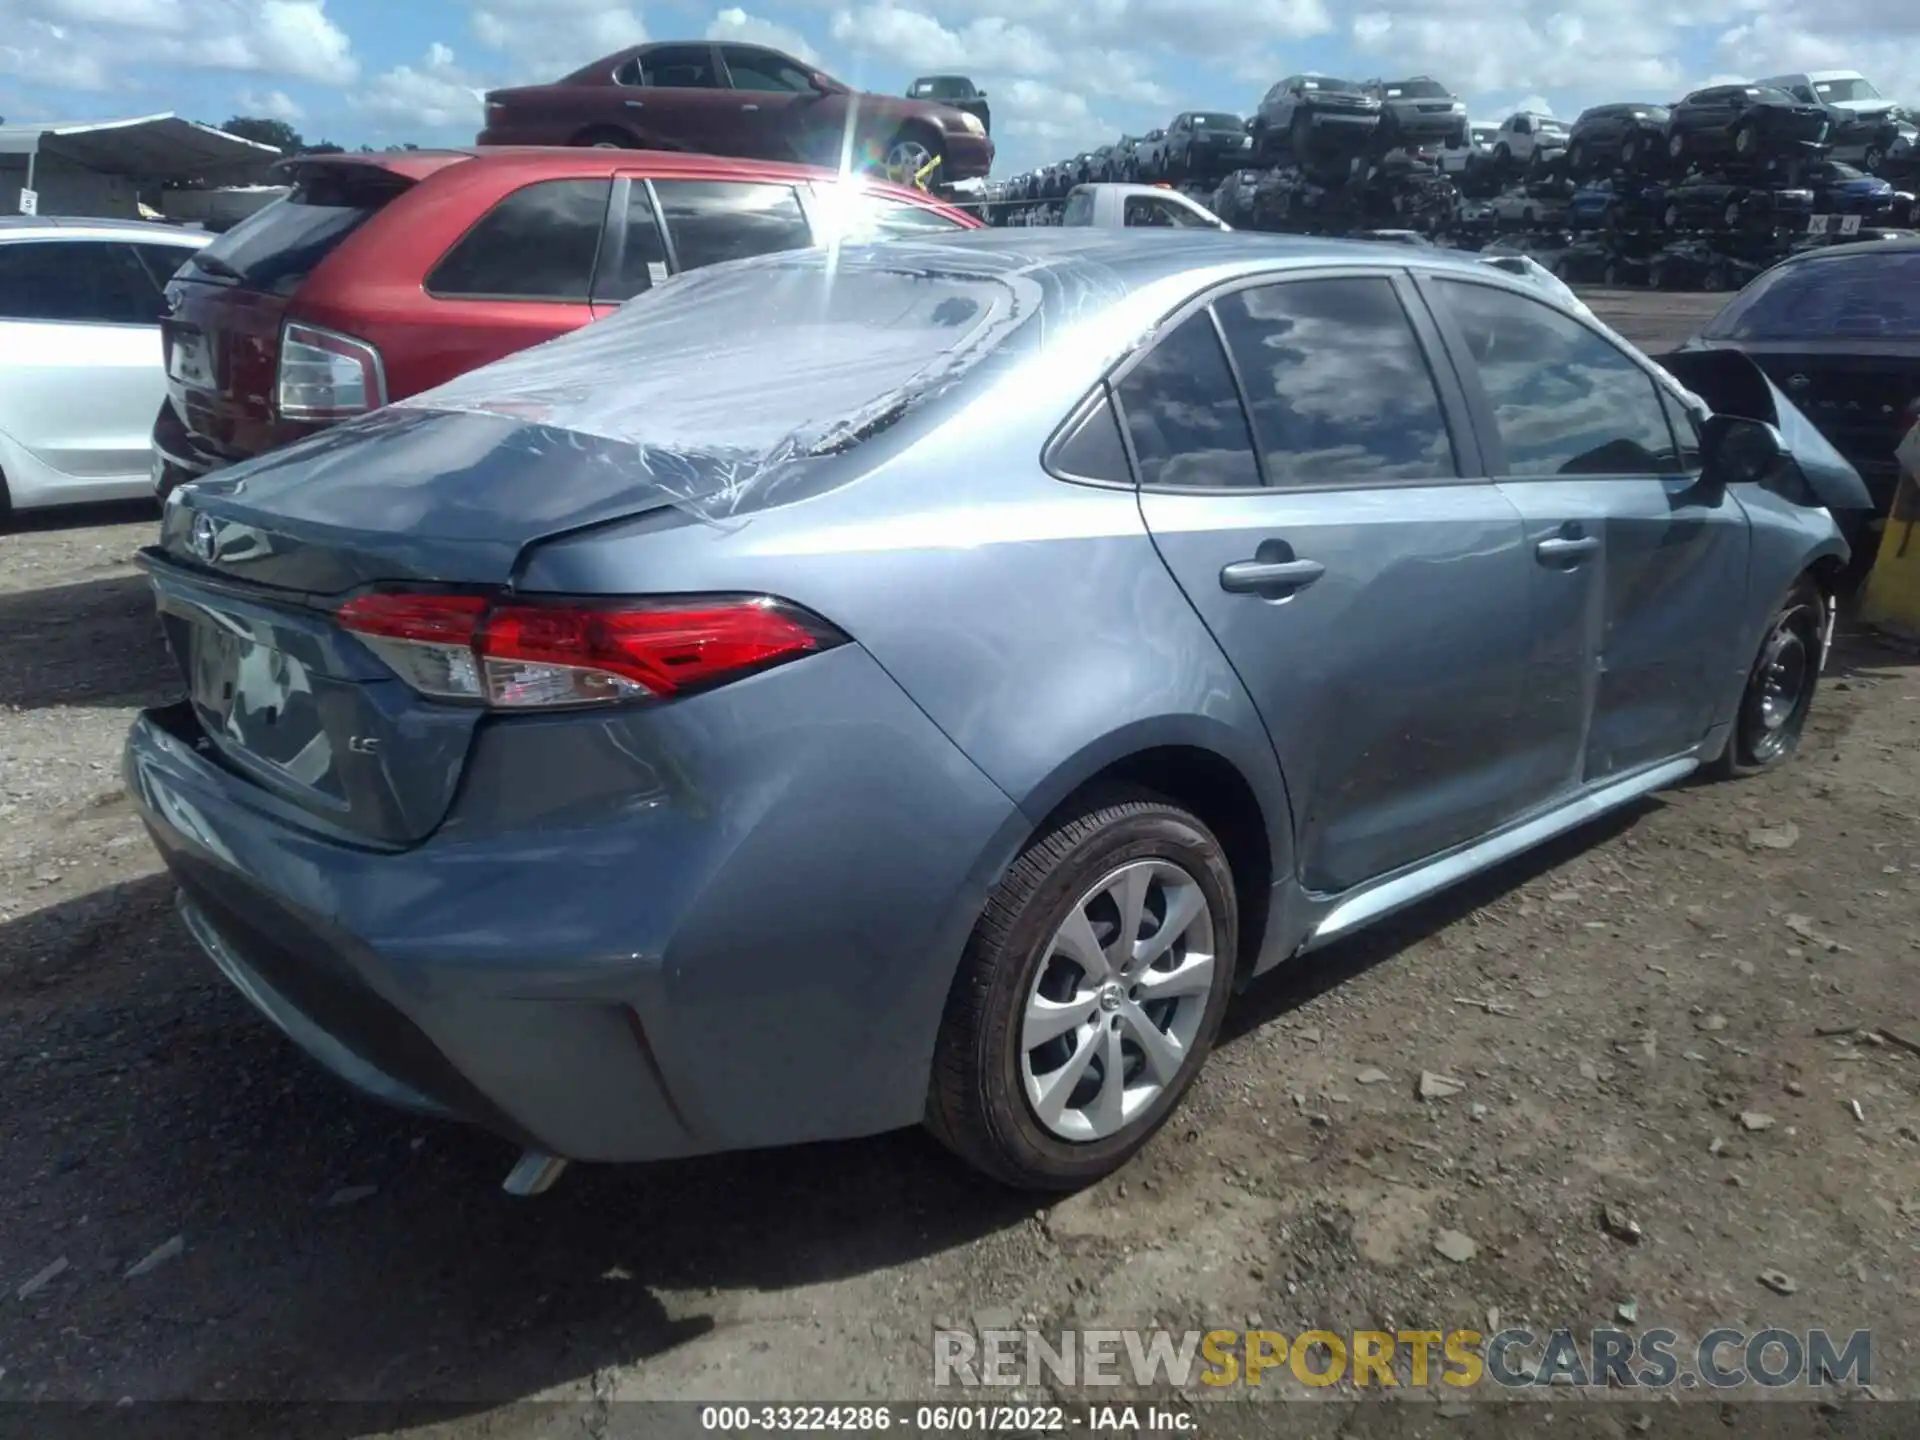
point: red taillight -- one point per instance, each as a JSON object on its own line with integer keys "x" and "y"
{"x": 325, "y": 375}
{"x": 540, "y": 654}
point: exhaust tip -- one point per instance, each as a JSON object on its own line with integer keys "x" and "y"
{"x": 533, "y": 1174}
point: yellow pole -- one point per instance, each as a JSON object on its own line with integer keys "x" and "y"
{"x": 1892, "y": 601}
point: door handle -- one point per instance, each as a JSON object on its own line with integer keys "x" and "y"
{"x": 1274, "y": 579}
{"x": 635, "y": 104}
{"x": 749, "y": 107}
{"x": 1566, "y": 549}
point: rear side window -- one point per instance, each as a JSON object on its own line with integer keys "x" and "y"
{"x": 278, "y": 246}
{"x": 539, "y": 243}
{"x": 710, "y": 221}
{"x": 1864, "y": 295}
{"x": 1183, "y": 413}
{"x": 637, "y": 258}
{"x": 680, "y": 67}
{"x": 1079, "y": 209}
{"x": 77, "y": 281}
{"x": 1337, "y": 384}
{"x": 1565, "y": 400}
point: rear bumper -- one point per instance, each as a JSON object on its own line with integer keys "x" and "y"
{"x": 180, "y": 454}
{"x": 746, "y": 941}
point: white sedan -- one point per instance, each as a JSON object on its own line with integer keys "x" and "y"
{"x": 81, "y": 375}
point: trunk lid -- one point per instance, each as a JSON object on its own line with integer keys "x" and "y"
{"x": 221, "y": 332}
{"x": 252, "y": 564}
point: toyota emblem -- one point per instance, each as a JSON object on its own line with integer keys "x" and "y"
{"x": 205, "y": 540}
{"x": 1798, "y": 382}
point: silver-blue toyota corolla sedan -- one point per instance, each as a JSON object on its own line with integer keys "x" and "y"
{"x": 919, "y": 683}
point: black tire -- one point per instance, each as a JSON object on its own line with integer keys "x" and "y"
{"x": 1672, "y": 218}
{"x": 1874, "y": 157}
{"x": 1676, "y": 146}
{"x": 1773, "y": 708}
{"x": 1744, "y": 140}
{"x": 1629, "y": 150}
{"x": 1733, "y": 214}
{"x": 1577, "y": 159}
{"x": 606, "y": 139}
{"x": 977, "y": 1104}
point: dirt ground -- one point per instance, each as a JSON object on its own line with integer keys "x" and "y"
{"x": 1611, "y": 1008}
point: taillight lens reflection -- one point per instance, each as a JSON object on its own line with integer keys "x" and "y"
{"x": 325, "y": 375}
{"x": 541, "y": 655}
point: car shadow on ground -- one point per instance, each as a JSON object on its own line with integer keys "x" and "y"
{"x": 1298, "y": 981}
{"x": 97, "y": 642}
{"x": 146, "y": 1096}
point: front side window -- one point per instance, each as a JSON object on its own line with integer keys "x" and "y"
{"x": 680, "y": 67}
{"x": 763, "y": 70}
{"x": 852, "y": 215}
{"x": 711, "y": 221}
{"x": 539, "y": 243}
{"x": 1157, "y": 211}
{"x": 1183, "y": 413}
{"x": 1337, "y": 384}
{"x": 1565, "y": 400}
{"x": 89, "y": 282}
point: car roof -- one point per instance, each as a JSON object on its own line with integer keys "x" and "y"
{"x": 1086, "y": 260}
{"x": 80, "y": 227}
{"x": 564, "y": 160}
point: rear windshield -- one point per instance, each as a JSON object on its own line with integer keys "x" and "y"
{"x": 792, "y": 356}
{"x": 1865, "y": 295}
{"x": 278, "y": 246}
{"x": 1417, "y": 90}
{"x": 1217, "y": 122}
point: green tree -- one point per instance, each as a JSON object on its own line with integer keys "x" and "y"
{"x": 277, "y": 133}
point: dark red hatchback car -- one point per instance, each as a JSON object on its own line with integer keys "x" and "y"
{"x": 380, "y": 276}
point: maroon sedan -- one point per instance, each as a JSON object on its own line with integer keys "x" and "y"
{"x": 743, "y": 100}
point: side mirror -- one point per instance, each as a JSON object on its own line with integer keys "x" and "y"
{"x": 1740, "y": 452}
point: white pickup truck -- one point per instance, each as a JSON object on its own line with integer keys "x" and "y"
{"x": 1114, "y": 206}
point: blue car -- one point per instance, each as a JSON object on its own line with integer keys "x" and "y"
{"x": 1588, "y": 208}
{"x": 1840, "y": 189}
{"x": 920, "y": 684}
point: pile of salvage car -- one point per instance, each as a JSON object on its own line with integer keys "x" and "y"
{"x": 1700, "y": 194}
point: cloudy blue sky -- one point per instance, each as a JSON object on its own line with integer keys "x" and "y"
{"x": 1062, "y": 74}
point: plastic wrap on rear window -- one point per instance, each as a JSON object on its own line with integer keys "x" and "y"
{"x": 730, "y": 380}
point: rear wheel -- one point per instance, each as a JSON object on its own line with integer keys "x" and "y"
{"x": 1088, "y": 996}
{"x": 1676, "y": 146}
{"x": 1780, "y": 687}
{"x": 1744, "y": 141}
{"x": 1577, "y": 159}
{"x": 1731, "y": 215}
{"x": 1629, "y": 149}
{"x": 606, "y": 140}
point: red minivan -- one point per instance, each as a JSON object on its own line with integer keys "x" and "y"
{"x": 380, "y": 276}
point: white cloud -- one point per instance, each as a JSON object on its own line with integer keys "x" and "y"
{"x": 737, "y": 24}
{"x": 920, "y": 42}
{"x": 546, "y": 39}
{"x": 78, "y": 44}
{"x": 273, "y": 105}
{"x": 435, "y": 95}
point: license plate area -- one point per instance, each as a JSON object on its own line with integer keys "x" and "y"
{"x": 256, "y": 701}
{"x": 189, "y": 359}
